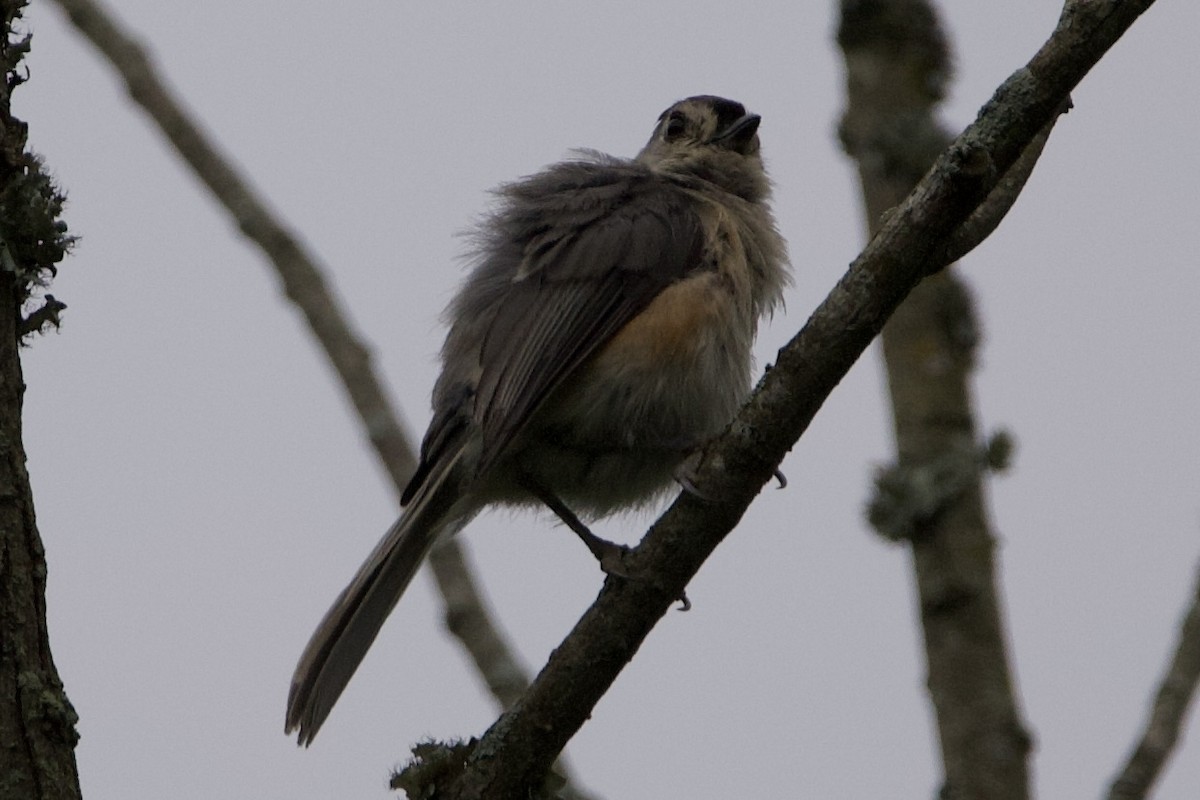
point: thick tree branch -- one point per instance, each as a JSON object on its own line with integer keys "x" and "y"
{"x": 897, "y": 63}
{"x": 1171, "y": 702}
{"x": 302, "y": 275}
{"x": 37, "y": 722}
{"x": 513, "y": 756}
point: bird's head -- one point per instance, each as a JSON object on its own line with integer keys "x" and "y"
{"x": 711, "y": 138}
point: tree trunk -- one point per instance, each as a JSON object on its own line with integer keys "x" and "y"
{"x": 37, "y": 722}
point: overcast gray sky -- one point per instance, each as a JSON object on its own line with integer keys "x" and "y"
{"x": 204, "y": 493}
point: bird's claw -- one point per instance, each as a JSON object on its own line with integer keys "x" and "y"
{"x": 684, "y": 475}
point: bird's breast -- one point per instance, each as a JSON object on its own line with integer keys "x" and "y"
{"x": 668, "y": 381}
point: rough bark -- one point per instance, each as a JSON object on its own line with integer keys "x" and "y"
{"x": 37, "y": 722}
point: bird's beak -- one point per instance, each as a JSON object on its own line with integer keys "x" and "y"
{"x": 740, "y": 134}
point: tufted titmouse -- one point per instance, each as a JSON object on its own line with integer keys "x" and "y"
{"x": 603, "y": 334}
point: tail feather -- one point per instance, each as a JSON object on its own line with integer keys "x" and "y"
{"x": 345, "y": 634}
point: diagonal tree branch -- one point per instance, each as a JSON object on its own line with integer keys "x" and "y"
{"x": 897, "y": 65}
{"x": 1171, "y": 702}
{"x": 511, "y": 758}
{"x": 302, "y": 275}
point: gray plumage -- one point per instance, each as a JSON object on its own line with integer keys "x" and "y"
{"x": 602, "y": 335}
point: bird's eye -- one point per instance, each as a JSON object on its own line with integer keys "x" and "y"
{"x": 674, "y": 128}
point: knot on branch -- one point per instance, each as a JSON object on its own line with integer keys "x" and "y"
{"x": 969, "y": 164}
{"x": 42, "y": 694}
{"x": 908, "y": 497}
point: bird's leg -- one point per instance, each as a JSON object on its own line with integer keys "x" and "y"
{"x": 610, "y": 554}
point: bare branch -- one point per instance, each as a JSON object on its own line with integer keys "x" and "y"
{"x": 493, "y": 657}
{"x": 992, "y": 211}
{"x": 1175, "y": 694}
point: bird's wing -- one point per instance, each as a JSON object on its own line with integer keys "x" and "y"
{"x": 613, "y": 243}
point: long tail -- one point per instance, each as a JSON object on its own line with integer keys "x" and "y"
{"x": 350, "y": 626}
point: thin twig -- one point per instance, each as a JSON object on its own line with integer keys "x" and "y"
{"x": 991, "y": 211}
{"x": 1167, "y": 715}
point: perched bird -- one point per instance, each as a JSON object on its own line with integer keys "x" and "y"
{"x": 604, "y": 333}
